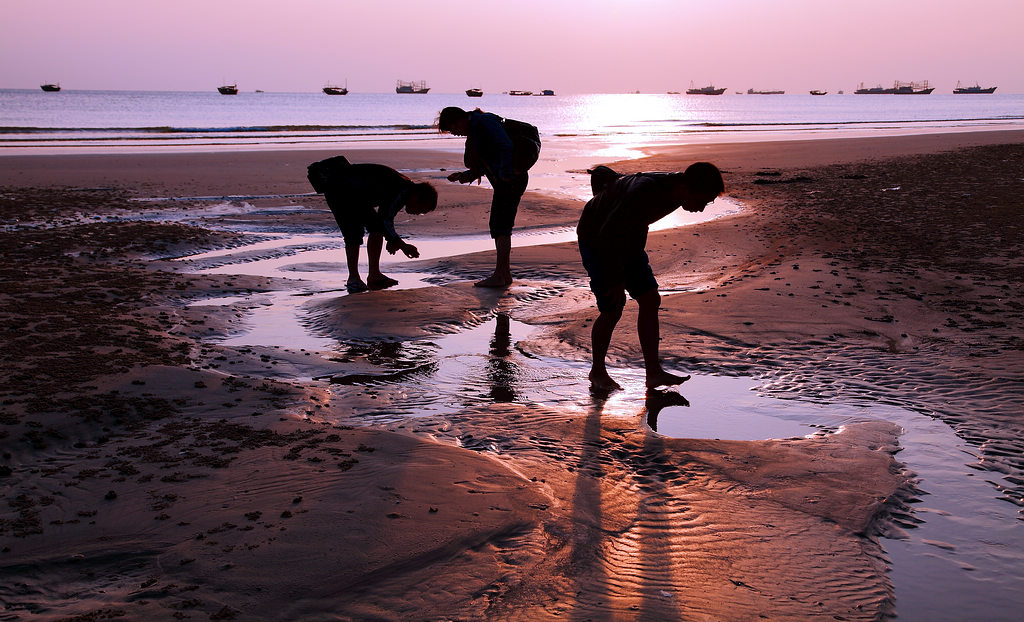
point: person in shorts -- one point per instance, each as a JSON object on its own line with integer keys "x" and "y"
{"x": 365, "y": 198}
{"x": 612, "y": 234}
{"x": 502, "y": 150}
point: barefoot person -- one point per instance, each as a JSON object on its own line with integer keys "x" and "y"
{"x": 353, "y": 191}
{"x": 612, "y": 235}
{"x": 503, "y": 150}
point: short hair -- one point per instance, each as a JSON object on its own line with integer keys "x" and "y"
{"x": 449, "y": 116}
{"x": 705, "y": 178}
{"x": 425, "y": 195}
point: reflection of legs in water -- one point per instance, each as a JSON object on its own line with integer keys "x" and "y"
{"x": 500, "y": 372}
{"x": 658, "y": 400}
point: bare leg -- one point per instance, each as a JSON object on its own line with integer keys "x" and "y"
{"x": 355, "y": 282}
{"x": 600, "y": 338}
{"x": 649, "y": 331}
{"x": 375, "y": 278}
{"x": 502, "y": 276}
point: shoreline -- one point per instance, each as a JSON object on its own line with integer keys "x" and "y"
{"x": 236, "y": 487}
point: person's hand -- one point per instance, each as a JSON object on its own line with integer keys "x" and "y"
{"x": 463, "y": 177}
{"x": 410, "y": 251}
{"x": 394, "y": 247}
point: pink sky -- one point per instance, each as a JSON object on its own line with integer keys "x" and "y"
{"x": 571, "y": 46}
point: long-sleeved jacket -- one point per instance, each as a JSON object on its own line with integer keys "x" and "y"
{"x": 359, "y": 188}
{"x": 489, "y": 149}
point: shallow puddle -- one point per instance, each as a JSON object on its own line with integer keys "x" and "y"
{"x": 965, "y": 554}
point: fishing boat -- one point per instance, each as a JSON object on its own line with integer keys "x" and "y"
{"x": 817, "y": 92}
{"x": 874, "y": 90}
{"x": 969, "y": 90}
{"x": 753, "y": 92}
{"x": 331, "y": 89}
{"x": 228, "y": 89}
{"x": 50, "y": 88}
{"x": 474, "y": 92}
{"x": 546, "y": 93}
{"x": 521, "y": 93}
{"x": 704, "y": 90}
{"x": 912, "y": 88}
{"x": 415, "y": 88}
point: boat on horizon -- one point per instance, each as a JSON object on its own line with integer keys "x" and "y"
{"x": 546, "y": 93}
{"x": 753, "y": 92}
{"x": 969, "y": 90}
{"x": 474, "y": 92}
{"x": 520, "y": 93}
{"x": 415, "y": 88}
{"x": 912, "y": 88}
{"x": 228, "y": 89}
{"x": 50, "y": 88}
{"x": 331, "y": 89}
{"x": 817, "y": 92}
{"x": 874, "y": 90}
{"x": 898, "y": 88}
{"x": 704, "y": 90}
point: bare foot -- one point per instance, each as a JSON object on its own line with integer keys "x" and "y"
{"x": 663, "y": 378}
{"x": 495, "y": 281}
{"x": 602, "y": 382}
{"x": 380, "y": 282}
{"x": 355, "y": 285}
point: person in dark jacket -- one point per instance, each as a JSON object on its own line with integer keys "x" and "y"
{"x": 365, "y": 198}
{"x": 503, "y": 150}
{"x": 612, "y": 234}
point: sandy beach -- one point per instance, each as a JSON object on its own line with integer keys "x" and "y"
{"x": 150, "y": 471}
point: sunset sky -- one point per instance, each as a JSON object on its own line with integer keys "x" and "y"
{"x": 571, "y": 46}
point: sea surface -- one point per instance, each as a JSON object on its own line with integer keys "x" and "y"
{"x": 83, "y": 121}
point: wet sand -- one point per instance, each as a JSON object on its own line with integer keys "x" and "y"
{"x": 149, "y": 472}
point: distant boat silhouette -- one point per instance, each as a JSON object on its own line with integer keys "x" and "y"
{"x": 228, "y": 89}
{"x": 753, "y": 92}
{"x": 336, "y": 90}
{"x": 546, "y": 93}
{"x": 520, "y": 93}
{"x": 417, "y": 88}
{"x": 819, "y": 92}
{"x": 474, "y": 92}
{"x": 704, "y": 90}
{"x": 913, "y": 88}
{"x": 976, "y": 89}
{"x": 50, "y": 88}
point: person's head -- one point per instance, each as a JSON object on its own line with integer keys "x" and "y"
{"x": 453, "y": 120}
{"x": 701, "y": 184}
{"x": 422, "y": 199}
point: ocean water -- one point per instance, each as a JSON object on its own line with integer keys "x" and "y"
{"x": 82, "y": 121}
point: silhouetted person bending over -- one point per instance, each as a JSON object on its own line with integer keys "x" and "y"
{"x": 503, "y": 150}
{"x": 612, "y": 235}
{"x": 366, "y": 198}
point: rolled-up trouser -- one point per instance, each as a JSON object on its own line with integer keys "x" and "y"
{"x": 505, "y": 203}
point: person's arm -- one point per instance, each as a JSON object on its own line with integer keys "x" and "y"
{"x": 388, "y": 211}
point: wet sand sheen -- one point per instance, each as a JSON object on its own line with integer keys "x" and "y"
{"x": 520, "y": 509}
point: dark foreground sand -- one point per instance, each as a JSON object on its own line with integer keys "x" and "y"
{"x": 149, "y": 474}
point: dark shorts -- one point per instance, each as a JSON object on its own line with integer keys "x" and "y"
{"x": 505, "y": 204}
{"x": 350, "y": 221}
{"x": 636, "y": 268}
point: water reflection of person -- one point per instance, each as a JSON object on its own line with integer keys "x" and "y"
{"x": 658, "y": 400}
{"x": 501, "y": 372}
{"x": 503, "y": 150}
